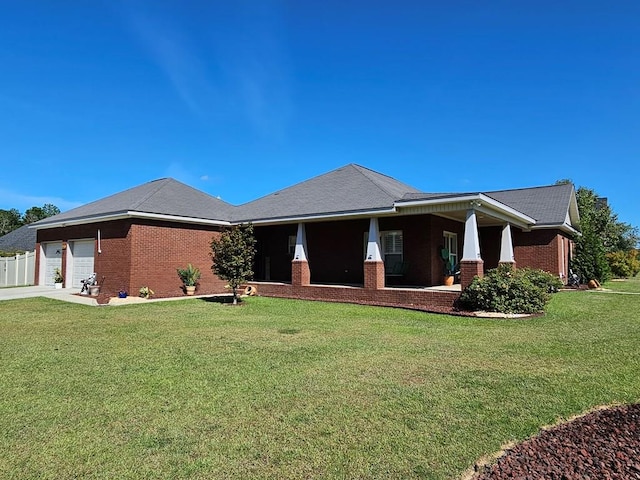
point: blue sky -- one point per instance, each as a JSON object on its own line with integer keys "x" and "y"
{"x": 243, "y": 98}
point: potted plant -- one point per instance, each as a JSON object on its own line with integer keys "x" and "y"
{"x": 122, "y": 293}
{"x": 145, "y": 292}
{"x": 189, "y": 277}
{"x": 449, "y": 267}
{"x": 58, "y": 279}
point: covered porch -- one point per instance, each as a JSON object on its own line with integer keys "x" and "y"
{"x": 386, "y": 259}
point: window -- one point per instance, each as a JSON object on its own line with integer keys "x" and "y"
{"x": 292, "y": 245}
{"x": 392, "y": 250}
{"x": 450, "y": 242}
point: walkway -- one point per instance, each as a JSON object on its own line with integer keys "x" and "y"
{"x": 65, "y": 294}
{"x": 70, "y": 295}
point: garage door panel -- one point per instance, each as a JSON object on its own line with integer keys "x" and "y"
{"x": 53, "y": 260}
{"x": 83, "y": 261}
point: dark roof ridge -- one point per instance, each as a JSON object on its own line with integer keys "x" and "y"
{"x": 528, "y": 188}
{"x": 161, "y": 183}
{"x": 270, "y": 194}
{"x": 373, "y": 178}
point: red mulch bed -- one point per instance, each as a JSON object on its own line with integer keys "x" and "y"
{"x": 604, "y": 444}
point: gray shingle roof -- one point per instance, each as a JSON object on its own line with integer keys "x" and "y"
{"x": 23, "y": 238}
{"x": 165, "y": 196}
{"x": 548, "y": 205}
{"x": 351, "y": 188}
{"x": 409, "y": 197}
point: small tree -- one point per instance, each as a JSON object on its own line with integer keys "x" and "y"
{"x": 233, "y": 253}
{"x": 9, "y": 221}
{"x": 38, "y": 213}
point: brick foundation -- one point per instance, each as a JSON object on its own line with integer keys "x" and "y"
{"x": 392, "y": 297}
{"x": 470, "y": 269}
{"x": 373, "y": 275}
{"x": 300, "y": 273}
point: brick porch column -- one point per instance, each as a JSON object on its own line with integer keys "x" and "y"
{"x": 468, "y": 270}
{"x": 471, "y": 263}
{"x": 373, "y": 275}
{"x": 373, "y": 264}
{"x": 506, "y": 247}
{"x": 300, "y": 271}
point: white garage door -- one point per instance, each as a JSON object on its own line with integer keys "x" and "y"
{"x": 53, "y": 260}
{"x": 82, "y": 252}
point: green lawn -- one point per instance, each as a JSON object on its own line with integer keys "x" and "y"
{"x": 291, "y": 389}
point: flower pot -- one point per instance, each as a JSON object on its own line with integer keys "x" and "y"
{"x": 122, "y": 294}
{"x": 190, "y": 289}
{"x": 57, "y": 285}
{"x": 448, "y": 280}
{"x": 94, "y": 289}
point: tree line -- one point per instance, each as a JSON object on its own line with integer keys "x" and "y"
{"x": 605, "y": 246}
{"x": 13, "y": 219}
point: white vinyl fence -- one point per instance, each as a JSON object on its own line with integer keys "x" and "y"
{"x": 18, "y": 270}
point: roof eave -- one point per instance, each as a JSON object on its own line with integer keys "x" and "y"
{"x": 319, "y": 217}
{"x": 129, "y": 214}
{"x": 565, "y": 227}
{"x": 479, "y": 202}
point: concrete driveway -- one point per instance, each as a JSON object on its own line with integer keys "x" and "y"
{"x": 65, "y": 294}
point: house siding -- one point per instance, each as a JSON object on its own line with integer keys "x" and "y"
{"x": 142, "y": 253}
{"x": 541, "y": 249}
{"x": 137, "y": 253}
{"x": 113, "y": 265}
{"x": 159, "y": 248}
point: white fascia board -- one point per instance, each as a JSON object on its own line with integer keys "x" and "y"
{"x": 496, "y": 208}
{"x": 564, "y": 227}
{"x": 130, "y": 214}
{"x": 177, "y": 218}
{"x": 327, "y": 216}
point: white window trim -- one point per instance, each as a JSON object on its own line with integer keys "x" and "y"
{"x": 291, "y": 248}
{"x": 395, "y": 251}
{"x": 451, "y": 238}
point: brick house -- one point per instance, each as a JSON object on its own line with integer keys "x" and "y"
{"x": 351, "y": 235}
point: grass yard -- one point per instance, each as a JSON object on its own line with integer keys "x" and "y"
{"x": 291, "y": 389}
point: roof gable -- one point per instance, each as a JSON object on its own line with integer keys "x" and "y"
{"x": 165, "y": 196}
{"x": 549, "y": 205}
{"x": 347, "y": 189}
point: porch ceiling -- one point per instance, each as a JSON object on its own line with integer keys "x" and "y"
{"x": 489, "y": 213}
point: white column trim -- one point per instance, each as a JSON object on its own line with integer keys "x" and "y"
{"x": 373, "y": 243}
{"x": 471, "y": 248}
{"x": 301, "y": 244}
{"x": 506, "y": 245}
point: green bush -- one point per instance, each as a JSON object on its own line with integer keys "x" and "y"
{"x": 545, "y": 280}
{"x": 624, "y": 264}
{"x": 506, "y": 290}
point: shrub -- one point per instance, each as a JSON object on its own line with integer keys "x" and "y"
{"x": 545, "y": 280}
{"x": 506, "y": 290}
{"x": 189, "y": 275}
{"x": 624, "y": 264}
